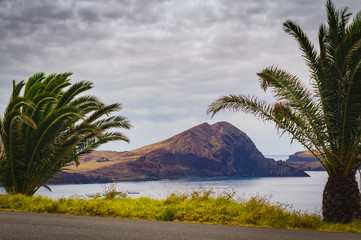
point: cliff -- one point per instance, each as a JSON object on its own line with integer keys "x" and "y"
{"x": 305, "y": 161}
{"x": 218, "y": 150}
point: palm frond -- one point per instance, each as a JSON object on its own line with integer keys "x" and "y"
{"x": 325, "y": 119}
{"x": 50, "y": 126}
{"x": 106, "y": 110}
{"x": 73, "y": 91}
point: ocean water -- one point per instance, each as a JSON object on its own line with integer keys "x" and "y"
{"x": 278, "y": 157}
{"x": 298, "y": 193}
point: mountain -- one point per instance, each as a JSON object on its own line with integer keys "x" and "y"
{"x": 218, "y": 150}
{"x": 305, "y": 161}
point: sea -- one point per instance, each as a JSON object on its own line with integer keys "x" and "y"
{"x": 294, "y": 193}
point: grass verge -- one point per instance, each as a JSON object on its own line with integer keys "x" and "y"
{"x": 198, "y": 207}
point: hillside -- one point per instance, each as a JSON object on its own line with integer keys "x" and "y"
{"x": 218, "y": 150}
{"x": 305, "y": 161}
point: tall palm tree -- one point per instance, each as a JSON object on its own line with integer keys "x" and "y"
{"x": 325, "y": 119}
{"x": 48, "y": 124}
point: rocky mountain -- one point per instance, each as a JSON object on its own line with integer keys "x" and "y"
{"x": 218, "y": 150}
{"x": 305, "y": 161}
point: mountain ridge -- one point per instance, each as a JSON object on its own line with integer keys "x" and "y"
{"x": 304, "y": 160}
{"x": 217, "y": 150}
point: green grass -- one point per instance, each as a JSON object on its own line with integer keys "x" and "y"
{"x": 197, "y": 208}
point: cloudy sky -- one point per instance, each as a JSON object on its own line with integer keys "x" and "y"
{"x": 164, "y": 60}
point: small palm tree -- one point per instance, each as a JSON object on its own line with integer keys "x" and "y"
{"x": 49, "y": 126}
{"x": 325, "y": 119}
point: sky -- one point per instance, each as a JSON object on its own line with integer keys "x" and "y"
{"x": 164, "y": 60}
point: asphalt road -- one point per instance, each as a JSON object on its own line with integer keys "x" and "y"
{"x": 20, "y": 225}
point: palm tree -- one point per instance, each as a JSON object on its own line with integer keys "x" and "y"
{"x": 50, "y": 125}
{"x": 325, "y": 119}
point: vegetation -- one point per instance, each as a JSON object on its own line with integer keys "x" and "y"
{"x": 51, "y": 124}
{"x": 325, "y": 119}
{"x": 197, "y": 208}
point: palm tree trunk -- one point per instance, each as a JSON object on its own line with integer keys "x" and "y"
{"x": 341, "y": 199}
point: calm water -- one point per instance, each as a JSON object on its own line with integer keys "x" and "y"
{"x": 303, "y": 193}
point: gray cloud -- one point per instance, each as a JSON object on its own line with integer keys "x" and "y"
{"x": 164, "y": 60}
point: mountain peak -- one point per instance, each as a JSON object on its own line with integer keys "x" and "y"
{"x": 217, "y": 150}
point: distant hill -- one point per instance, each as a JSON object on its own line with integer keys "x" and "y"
{"x": 218, "y": 150}
{"x": 305, "y": 161}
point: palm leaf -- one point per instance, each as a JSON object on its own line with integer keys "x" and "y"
{"x": 50, "y": 126}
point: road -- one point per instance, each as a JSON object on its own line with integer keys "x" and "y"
{"x": 21, "y": 225}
